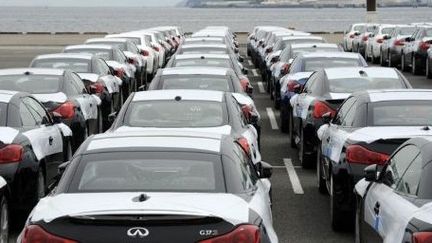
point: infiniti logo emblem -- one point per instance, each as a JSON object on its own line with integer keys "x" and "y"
{"x": 138, "y": 232}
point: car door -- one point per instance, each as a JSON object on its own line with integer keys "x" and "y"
{"x": 334, "y": 136}
{"x": 387, "y": 207}
{"x": 88, "y": 104}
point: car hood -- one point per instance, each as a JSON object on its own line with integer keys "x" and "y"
{"x": 7, "y": 134}
{"x": 371, "y": 134}
{"x": 89, "y": 76}
{"x": 229, "y": 207}
{"x": 225, "y": 130}
{"x": 59, "y": 97}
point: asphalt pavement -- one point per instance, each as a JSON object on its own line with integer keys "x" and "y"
{"x": 300, "y": 212}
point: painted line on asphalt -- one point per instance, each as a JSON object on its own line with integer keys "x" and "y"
{"x": 261, "y": 87}
{"x": 250, "y": 63}
{"x": 255, "y": 72}
{"x": 292, "y": 174}
{"x": 272, "y": 118}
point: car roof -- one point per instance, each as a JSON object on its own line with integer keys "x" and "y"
{"x": 179, "y": 94}
{"x": 398, "y": 94}
{"x": 37, "y": 71}
{"x": 94, "y": 40}
{"x": 196, "y": 70}
{"x": 6, "y": 95}
{"x": 358, "y": 72}
{"x": 107, "y": 47}
{"x": 186, "y": 141}
{"x": 200, "y": 56}
{"x": 330, "y": 54}
{"x": 65, "y": 56}
{"x": 303, "y": 45}
{"x": 222, "y": 46}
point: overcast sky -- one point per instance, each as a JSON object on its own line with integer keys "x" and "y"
{"x": 88, "y": 2}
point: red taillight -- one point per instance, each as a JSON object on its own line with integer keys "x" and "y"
{"x": 365, "y": 38}
{"x": 321, "y": 108}
{"x": 422, "y": 237}
{"x": 380, "y": 40}
{"x": 293, "y": 85}
{"x": 424, "y": 46}
{"x": 399, "y": 42}
{"x": 268, "y": 50}
{"x": 244, "y": 83}
{"x": 97, "y": 88}
{"x": 119, "y": 72}
{"x": 357, "y": 154}
{"x": 66, "y": 110}
{"x": 132, "y": 61}
{"x": 352, "y": 36}
{"x": 11, "y": 153}
{"x": 285, "y": 68}
{"x": 145, "y": 53}
{"x": 242, "y": 234}
{"x": 244, "y": 144}
{"x": 36, "y": 234}
{"x": 156, "y": 48}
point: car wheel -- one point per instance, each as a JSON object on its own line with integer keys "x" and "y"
{"x": 67, "y": 150}
{"x": 4, "y": 221}
{"x": 382, "y": 61}
{"x": 403, "y": 64}
{"x": 428, "y": 69}
{"x": 337, "y": 217}
{"x": 303, "y": 157}
{"x": 291, "y": 132}
{"x": 389, "y": 62}
{"x": 283, "y": 120}
{"x": 322, "y": 188}
{"x": 41, "y": 187}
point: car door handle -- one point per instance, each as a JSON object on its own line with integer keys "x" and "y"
{"x": 50, "y": 139}
{"x": 377, "y": 208}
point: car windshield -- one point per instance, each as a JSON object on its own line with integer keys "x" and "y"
{"x": 215, "y": 62}
{"x": 3, "y": 115}
{"x": 34, "y": 84}
{"x": 170, "y": 113}
{"x": 204, "y": 50}
{"x": 149, "y": 172}
{"x": 354, "y": 84}
{"x": 101, "y": 53}
{"x": 207, "y": 82}
{"x": 401, "y": 113}
{"x": 314, "y": 64}
{"x": 76, "y": 65}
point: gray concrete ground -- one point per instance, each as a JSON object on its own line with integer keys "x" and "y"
{"x": 297, "y": 217}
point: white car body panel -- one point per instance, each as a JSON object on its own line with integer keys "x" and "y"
{"x": 59, "y": 97}
{"x": 40, "y": 143}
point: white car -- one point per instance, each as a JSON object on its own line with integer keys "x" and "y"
{"x": 394, "y": 203}
{"x": 157, "y": 186}
{"x": 156, "y": 45}
{"x": 376, "y": 39}
{"x": 353, "y": 31}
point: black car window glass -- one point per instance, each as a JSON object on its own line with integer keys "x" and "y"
{"x": 409, "y": 182}
{"x": 398, "y": 165}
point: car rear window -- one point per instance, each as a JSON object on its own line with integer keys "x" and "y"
{"x": 351, "y": 85}
{"x": 170, "y": 113}
{"x": 314, "y": 64}
{"x": 3, "y": 115}
{"x": 101, "y": 53}
{"x": 34, "y": 84}
{"x": 76, "y": 65}
{"x": 206, "y": 82}
{"x": 400, "y": 113}
{"x": 205, "y": 50}
{"x": 149, "y": 172}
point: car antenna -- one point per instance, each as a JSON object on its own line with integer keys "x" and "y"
{"x": 141, "y": 198}
{"x": 177, "y": 98}
{"x": 362, "y": 73}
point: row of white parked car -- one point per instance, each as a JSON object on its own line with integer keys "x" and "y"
{"x": 364, "y": 129}
{"x": 405, "y": 46}
{"x": 179, "y": 159}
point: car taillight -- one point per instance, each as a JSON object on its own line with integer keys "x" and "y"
{"x": 285, "y": 68}
{"x": 244, "y": 83}
{"x": 119, "y": 72}
{"x": 352, "y": 36}
{"x": 132, "y": 61}
{"x": 97, "y": 88}
{"x": 242, "y": 234}
{"x": 321, "y": 108}
{"x": 156, "y": 48}
{"x": 424, "y": 46}
{"x": 244, "y": 144}
{"x": 357, "y": 154}
{"x": 145, "y": 53}
{"x": 422, "y": 237}
{"x": 66, "y": 110}
{"x": 36, "y": 234}
{"x": 11, "y": 153}
{"x": 269, "y": 49}
{"x": 365, "y": 38}
{"x": 293, "y": 85}
{"x": 399, "y": 42}
{"x": 380, "y": 40}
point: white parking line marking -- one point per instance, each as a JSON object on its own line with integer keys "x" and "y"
{"x": 295, "y": 181}
{"x": 255, "y": 73}
{"x": 272, "y": 118}
{"x": 250, "y": 62}
{"x": 261, "y": 87}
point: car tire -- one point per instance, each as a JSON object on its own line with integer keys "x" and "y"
{"x": 41, "y": 185}
{"x": 322, "y": 187}
{"x": 338, "y": 220}
{"x": 4, "y": 220}
{"x": 102, "y": 126}
{"x": 428, "y": 69}
{"x": 415, "y": 70}
{"x": 357, "y": 231}
{"x": 304, "y": 158}
{"x": 67, "y": 150}
{"x": 390, "y": 62}
{"x": 283, "y": 121}
{"x": 291, "y": 132}
{"x": 383, "y": 62}
{"x": 404, "y": 67}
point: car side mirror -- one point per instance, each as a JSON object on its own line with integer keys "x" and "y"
{"x": 387, "y": 37}
{"x": 409, "y": 39}
{"x": 112, "y": 117}
{"x": 371, "y": 173}
{"x": 236, "y": 50}
{"x": 327, "y": 117}
{"x": 56, "y": 117}
{"x": 245, "y": 71}
{"x": 298, "y": 89}
{"x": 357, "y": 33}
{"x": 240, "y": 59}
{"x": 265, "y": 170}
